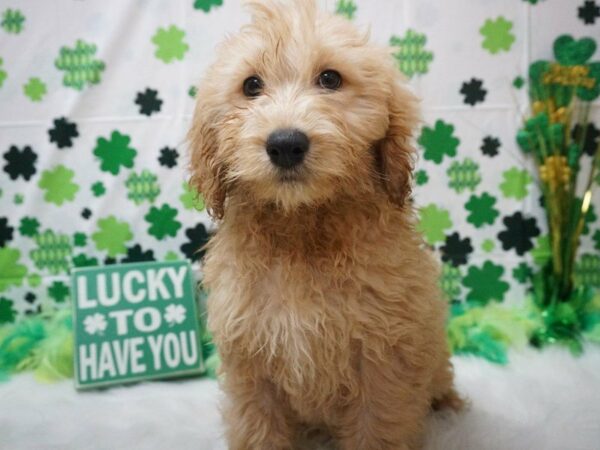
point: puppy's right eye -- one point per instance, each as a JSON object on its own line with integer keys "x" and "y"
{"x": 252, "y": 86}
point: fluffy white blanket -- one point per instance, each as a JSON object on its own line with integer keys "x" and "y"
{"x": 544, "y": 401}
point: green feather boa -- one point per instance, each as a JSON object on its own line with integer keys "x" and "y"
{"x": 43, "y": 343}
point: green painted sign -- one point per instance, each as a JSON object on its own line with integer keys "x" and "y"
{"x": 134, "y": 322}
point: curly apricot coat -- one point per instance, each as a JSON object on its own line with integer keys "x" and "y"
{"x": 323, "y": 299}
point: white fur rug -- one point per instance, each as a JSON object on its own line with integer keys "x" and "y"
{"x": 544, "y": 401}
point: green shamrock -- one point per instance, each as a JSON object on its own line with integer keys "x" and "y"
{"x": 34, "y": 280}
{"x": 438, "y": 141}
{"x": 485, "y": 283}
{"x": 421, "y": 177}
{"x": 191, "y": 198}
{"x": 142, "y": 186}
{"x": 35, "y": 89}
{"x": 7, "y": 312}
{"x": 82, "y": 260}
{"x": 518, "y": 82}
{"x": 58, "y": 184}
{"x": 112, "y": 236}
{"x": 12, "y": 272}
{"x": 515, "y": 183}
{"x": 488, "y": 245}
{"x": 98, "y": 189}
{"x": 29, "y": 226}
{"x": 497, "y": 35}
{"x": 12, "y": 21}
{"x": 18, "y": 199}
{"x": 463, "y": 175}
{"x": 58, "y": 291}
{"x": 450, "y": 281}
{"x": 433, "y": 221}
{"x": 411, "y": 56}
{"x": 162, "y": 222}
{"x": 522, "y": 273}
{"x": 115, "y": 153}
{"x": 346, "y": 8}
{"x": 52, "y": 252}
{"x": 171, "y": 256}
{"x": 206, "y": 5}
{"x": 169, "y": 44}
{"x": 481, "y": 210}
{"x": 3, "y": 73}
{"x": 79, "y": 65}
{"x": 79, "y": 239}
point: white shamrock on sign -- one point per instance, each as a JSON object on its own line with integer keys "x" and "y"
{"x": 95, "y": 323}
{"x": 174, "y": 314}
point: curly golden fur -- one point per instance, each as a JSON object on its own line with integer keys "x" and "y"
{"x": 323, "y": 299}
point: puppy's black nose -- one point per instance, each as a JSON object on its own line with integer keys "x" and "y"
{"x": 287, "y": 147}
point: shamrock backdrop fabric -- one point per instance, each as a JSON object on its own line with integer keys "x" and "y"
{"x": 96, "y": 97}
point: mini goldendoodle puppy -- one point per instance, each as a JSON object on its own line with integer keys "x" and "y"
{"x": 323, "y": 299}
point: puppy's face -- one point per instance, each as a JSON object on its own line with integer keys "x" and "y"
{"x": 298, "y": 109}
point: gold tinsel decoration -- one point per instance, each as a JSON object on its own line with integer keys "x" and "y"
{"x": 555, "y": 172}
{"x": 569, "y": 76}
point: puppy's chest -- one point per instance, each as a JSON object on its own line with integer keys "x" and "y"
{"x": 300, "y": 321}
{"x": 305, "y": 336}
{"x": 299, "y": 308}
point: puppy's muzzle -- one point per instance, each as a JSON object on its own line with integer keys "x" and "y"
{"x": 286, "y": 147}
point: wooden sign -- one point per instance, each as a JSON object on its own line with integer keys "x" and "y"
{"x": 134, "y": 322}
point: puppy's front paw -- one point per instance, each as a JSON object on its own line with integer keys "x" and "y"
{"x": 451, "y": 400}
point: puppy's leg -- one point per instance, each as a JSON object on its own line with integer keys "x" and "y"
{"x": 443, "y": 394}
{"x": 389, "y": 411}
{"x": 254, "y": 417}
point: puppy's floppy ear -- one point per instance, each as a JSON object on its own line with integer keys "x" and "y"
{"x": 395, "y": 153}
{"x": 208, "y": 172}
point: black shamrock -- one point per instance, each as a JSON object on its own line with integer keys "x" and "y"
{"x": 587, "y": 134}
{"x": 589, "y": 12}
{"x": 194, "y": 247}
{"x": 519, "y": 233}
{"x": 86, "y": 213}
{"x": 456, "y": 250}
{"x": 6, "y": 231}
{"x": 148, "y": 101}
{"x": 109, "y": 260}
{"x": 20, "y": 162}
{"x": 63, "y": 132}
{"x": 542, "y": 201}
{"x": 30, "y": 297}
{"x": 473, "y": 91}
{"x": 168, "y": 157}
{"x": 136, "y": 254}
{"x": 490, "y": 146}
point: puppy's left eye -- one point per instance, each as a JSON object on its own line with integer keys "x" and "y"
{"x": 330, "y": 79}
{"x": 253, "y": 86}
